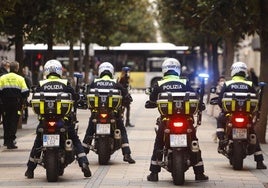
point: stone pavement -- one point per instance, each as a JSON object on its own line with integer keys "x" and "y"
{"x": 121, "y": 174}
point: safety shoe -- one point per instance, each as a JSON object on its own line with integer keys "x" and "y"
{"x": 152, "y": 177}
{"x": 12, "y": 146}
{"x": 129, "y": 125}
{"x": 86, "y": 170}
{"x": 29, "y": 174}
{"x": 261, "y": 165}
{"x": 221, "y": 146}
{"x": 201, "y": 177}
{"x": 128, "y": 158}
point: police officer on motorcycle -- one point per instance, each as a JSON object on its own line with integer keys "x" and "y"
{"x": 54, "y": 83}
{"x": 238, "y": 83}
{"x": 171, "y": 82}
{"x": 106, "y": 81}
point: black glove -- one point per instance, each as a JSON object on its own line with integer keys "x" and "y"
{"x": 150, "y": 104}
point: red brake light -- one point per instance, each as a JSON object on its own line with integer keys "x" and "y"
{"x": 178, "y": 124}
{"x": 240, "y": 120}
{"x": 103, "y": 115}
{"x": 51, "y": 126}
{"x": 51, "y": 123}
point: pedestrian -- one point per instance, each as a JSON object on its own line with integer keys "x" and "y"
{"x": 4, "y": 69}
{"x": 237, "y": 84}
{"x": 171, "y": 82}
{"x": 124, "y": 80}
{"x": 253, "y": 77}
{"x": 54, "y": 83}
{"x": 216, "y": 110}
{"x": 13, "y": 91}
{"x": 106, "y": 81}
{"x": 28, "y": 79}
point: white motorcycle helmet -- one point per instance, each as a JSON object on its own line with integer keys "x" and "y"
{"x": 238, "y": 67}
{"x": 172, "y": 65}
{"x": 106, "y": 67}
{"x": 53, "y": 66}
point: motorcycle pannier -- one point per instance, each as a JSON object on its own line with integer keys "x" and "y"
{"x": 52, "y": 103}
{"x": 177, "y": 103}
{"x": 246, "y": 102}
{"x": 105, "y": 98}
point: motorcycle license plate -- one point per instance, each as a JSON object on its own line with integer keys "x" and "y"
{"x": 51, "y": 140}
{"x": 239, "y": 133}
{"x": 103, "y": 128}
{"x": 178, "y": 140}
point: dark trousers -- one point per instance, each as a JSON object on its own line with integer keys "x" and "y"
{"x": 127, "y": 109}
{"x": 10, "y": 121}
{"x": 79, "y": 150}
{"x": 159, "y": 145}
{"x": 91, "y": 129}
{"x": 221, "y": 122}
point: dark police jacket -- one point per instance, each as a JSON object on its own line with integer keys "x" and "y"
{"x": 55, "y": 84}
{"x": 106, "y": 82}
{"x": 238, "y": 84}
{"x": 170, "y": 83}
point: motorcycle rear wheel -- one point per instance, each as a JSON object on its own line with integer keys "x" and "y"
{"x": 51, "y": 165}
{"x": 178, "y": 168}
{"x": 104, "y": 150}
{"x": 237, "y": 157}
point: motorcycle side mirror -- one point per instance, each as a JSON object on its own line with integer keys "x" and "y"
{"x": 78, "y": 75}
{"x": 148, "y": 91}
{"x": 213, "y": 90}
{"x": 261, "y": 84}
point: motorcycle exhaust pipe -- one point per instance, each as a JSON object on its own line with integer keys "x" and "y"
{"x": 195, "y": 146}
{"x": 68, "y": 145}
{"x": 252, "y": 139}
{"x": 117, "y": 134}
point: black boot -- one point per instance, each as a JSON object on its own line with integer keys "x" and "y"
{"x": 128, "y": 158}
{"x": 201, "y": 177}
{"x": 128, "y": 124}
{"x": 29, "y": 173}
{"x": 86, "y": 170}
{"x": 152, "y": 177}
{"x": 261, "y": 165}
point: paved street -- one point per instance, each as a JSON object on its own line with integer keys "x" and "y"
{"x": 122, "y": 174}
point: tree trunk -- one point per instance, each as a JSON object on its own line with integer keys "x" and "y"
{"x": 19, "y": 50}
{"x": 261, "y": 126}
{"x": 86, "y": 62}
{"x": 71, "y": 60}
{"x": 229, "y": 55}
{"x": 215, "y": 63}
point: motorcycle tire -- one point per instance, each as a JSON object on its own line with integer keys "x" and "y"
{"x": 178, "y": 168}
{"x": 104, "y": 150}
{"x": 237, "y": 156}
{"x": 51, "y": 165}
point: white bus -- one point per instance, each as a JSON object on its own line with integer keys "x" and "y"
{"x": 144, "y": 59}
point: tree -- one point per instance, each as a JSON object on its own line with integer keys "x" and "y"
{"x": 261, "y": 126}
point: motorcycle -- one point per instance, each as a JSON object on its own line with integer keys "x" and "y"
{"x": 179, "y": 111}
{"x": 105, "y": 105}
{"x": 57, "y": 150}
{"x": 241, "y": 113}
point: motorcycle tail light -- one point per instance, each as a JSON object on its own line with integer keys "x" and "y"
{"x": 51, "y": 126}
{"x": 240, "y": 120}
{"x": 103, "y": 117}
{"x": 178, "y": 124}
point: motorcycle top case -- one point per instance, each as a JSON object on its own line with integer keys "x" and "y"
{"x": 52, "y": 103}
{"x": 107, "y": 98}
{"x": 245, "y": 102}
{"x": 177, "y": 103}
